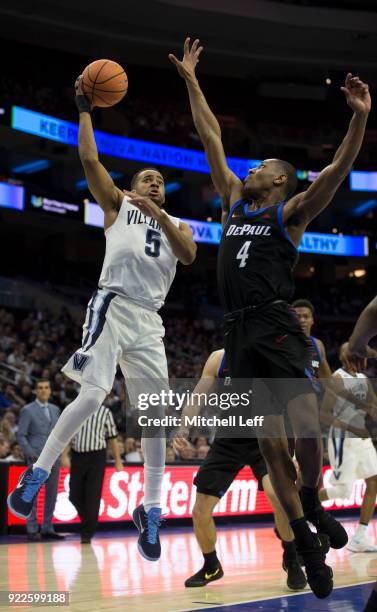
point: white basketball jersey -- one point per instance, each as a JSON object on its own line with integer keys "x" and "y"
{"x": 345, "y": 410}
{"x": 139, "y": 262}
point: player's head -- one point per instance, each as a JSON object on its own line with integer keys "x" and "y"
{"x": 149, "y": 182}
{"x": 271, "y": 176}
{"x": 305, "y": 312}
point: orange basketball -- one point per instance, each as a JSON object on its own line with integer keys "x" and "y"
{"x": 104, "y": 82}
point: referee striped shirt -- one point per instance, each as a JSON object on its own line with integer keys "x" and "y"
{"x": 96, "y": 430}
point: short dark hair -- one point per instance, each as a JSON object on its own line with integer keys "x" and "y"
{"x": 136, "y": 175}
{"x": 303, "y": 304}
{"x": 42, "y": 380}
{"x": 290, "y": 171}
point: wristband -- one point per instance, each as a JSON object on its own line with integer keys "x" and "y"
{"x": 82, "y": 104}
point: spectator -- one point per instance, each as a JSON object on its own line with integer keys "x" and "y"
{"x": 4, "y": 449}
{"x": 16, "y": 453}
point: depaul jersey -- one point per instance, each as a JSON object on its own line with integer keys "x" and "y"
{"x": 256, "y": 257}
{"x": 139, "y": 262}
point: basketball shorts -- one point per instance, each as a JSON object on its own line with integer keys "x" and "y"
{"x": 223, "y": 462}
{"x": 118, "y": 331}
{"x": 269, "y": 347}
{"x": 351, "y": 458}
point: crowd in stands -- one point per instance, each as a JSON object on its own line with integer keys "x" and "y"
{"x": 36, "y": 344}
{"x": 246, "y": 131}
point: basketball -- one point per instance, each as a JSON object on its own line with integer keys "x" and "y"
{"x": 104, "y": 82}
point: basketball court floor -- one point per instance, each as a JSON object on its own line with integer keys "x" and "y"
{"x": 109, "y": 575}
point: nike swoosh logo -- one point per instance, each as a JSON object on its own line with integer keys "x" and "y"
{"x": 209, "y": 576}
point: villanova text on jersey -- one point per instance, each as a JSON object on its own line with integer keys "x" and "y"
{"x": 256, "y": 258}
{"x": 135, "y": 216}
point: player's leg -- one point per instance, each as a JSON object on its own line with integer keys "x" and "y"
{"x": 205, "y": 532}
{"x": 94, "y": 368}
{"x": 213, "y": 479}
{"x": 303, "y": 413}
{"x": 145, "y": 370}
{"x": 360, "y": 541}
{"x": 296, "y": 579}
{"x": 283, "y": 475}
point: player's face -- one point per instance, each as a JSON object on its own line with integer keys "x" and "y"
{"x": 305, "y": 318}
{"x": 150, "y": 183}
{"x": 43, "y": 392}
{"x": 261, "y": 179}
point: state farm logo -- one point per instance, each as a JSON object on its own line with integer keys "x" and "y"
{"x": 123, "y": 491}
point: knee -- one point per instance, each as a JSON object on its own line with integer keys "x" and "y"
{"x": 93, "y": 395}
{"x": 202, "y": 510}
{"x": 272, "y": 448}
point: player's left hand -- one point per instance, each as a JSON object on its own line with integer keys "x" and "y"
{"x": 355, "y": 356}
{"x": 119, "y": 466}
{"x": 357, "y": 94}
{"x": 145, "y": 205}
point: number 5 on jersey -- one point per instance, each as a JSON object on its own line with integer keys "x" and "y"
{"x": 243, "y": 253}
{"x": 152, "y": 243}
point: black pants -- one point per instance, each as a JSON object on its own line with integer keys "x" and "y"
{"x": 85, "y": 487}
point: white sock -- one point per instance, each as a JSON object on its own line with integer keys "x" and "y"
{"x": 361, "y": 531}
{"x": 154, "y": 451}
{"x": 72, "y": 418}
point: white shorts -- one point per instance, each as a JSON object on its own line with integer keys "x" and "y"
{"x": 351, "y": 459}
{"x": 118, "y": 331}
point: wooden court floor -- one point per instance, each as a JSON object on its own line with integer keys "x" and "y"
{"x": 109, "y": 575}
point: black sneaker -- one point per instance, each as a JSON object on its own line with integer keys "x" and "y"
{"x": 319, "y": 575}
{"x": 324, "y": 522}
{"x": 148, "y": 524}
{"x": 203, "y": 577}
{"x": 296, "y": 579}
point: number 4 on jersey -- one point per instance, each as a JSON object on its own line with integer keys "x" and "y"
{"x": 243, "y": 253}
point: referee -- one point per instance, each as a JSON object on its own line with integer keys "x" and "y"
{"x": 87, "y": 463}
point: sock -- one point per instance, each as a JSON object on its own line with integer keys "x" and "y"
{"x": 72, "y": 418}
{"x": 361, "y": 531}
{"x": 154, "y": 450}
{"x": 309, "y": 498}
{"x": 372, "y": 602}
{"x": 211, "y": 561}
{"x": 289, "y": 549}
{"x": 303, "y": 535}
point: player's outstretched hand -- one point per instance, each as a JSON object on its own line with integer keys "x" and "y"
{"x": 180, "y": 441}
{"x": 186, "y": 67}
{"x": 79, "y": 90}
{"x": 145, "y": 205}
{"x": 356, "y": 357}
{"x": 357, "y": 94}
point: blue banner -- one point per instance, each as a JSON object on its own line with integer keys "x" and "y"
{"x": 363, "y": 181}
{"x": 210, "y": 233}
{"x": 119, "y": 146}
{"x": 12, "y": 196}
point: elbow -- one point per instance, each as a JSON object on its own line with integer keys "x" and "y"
{"x": 189, "y": 257}
{"x": 88, "y": 159}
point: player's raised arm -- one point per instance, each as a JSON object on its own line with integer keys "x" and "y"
{"x": 204, "y": 386}
{"x": 306, "y": 206}
{"x": 227, "y": 184}
{"x": 100, "y": 183}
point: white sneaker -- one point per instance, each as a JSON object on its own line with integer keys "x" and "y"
{"x": 363, "y": 544}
